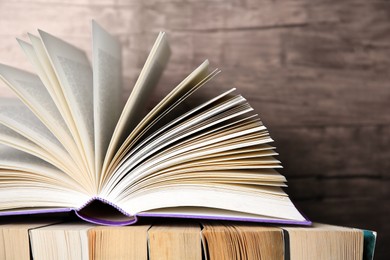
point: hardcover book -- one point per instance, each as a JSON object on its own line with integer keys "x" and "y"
{"x": 68, "y": 143}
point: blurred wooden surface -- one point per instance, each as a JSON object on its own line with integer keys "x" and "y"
{"x": 317, "y": 72}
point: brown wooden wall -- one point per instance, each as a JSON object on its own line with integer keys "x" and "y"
{"x": 317, "y": 72}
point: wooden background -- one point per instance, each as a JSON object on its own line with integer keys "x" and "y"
{"x": 317, "y": 72}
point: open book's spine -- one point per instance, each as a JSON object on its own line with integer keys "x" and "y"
{"x": 125, "y": 219}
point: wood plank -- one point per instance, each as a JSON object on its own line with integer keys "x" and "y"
{"x": 337, "y": 188}
{"x": 125, "y": 17}
{"x": 347, "y": 212}
{"x": 74, "y": 20}
{"x": 333, "y": 151}
{"x": 298, "y": 98}
{"x": 119, "y": 3}
{"x": 311, "y": 96}
{"x": 332, "y": 46}
{"x": 354, "y": 21}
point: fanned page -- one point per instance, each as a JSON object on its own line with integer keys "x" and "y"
{"x": 107, "y": 89}
{"x": 14, "y": 115}
{"x": 182, "y": 91}
{"x": 32, "y": 92}
{"x": 74, "y": 74}
{"x": 29, "y": 183}
{"x": 133, "y": 110}
{"x": 167, "y": 172}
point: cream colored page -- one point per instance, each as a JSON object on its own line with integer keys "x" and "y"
{"x": 175, "y": 134}
{"x": 27, "y": 195}
{"x": 212, "y": 197}
{"x": 189, "y": 85}
{"x": 74, "y": 74}
{"x": 14, "y": 159}
{"x": 61, "y": 124}
{"x": 33, "y": 56}
{"x": 135, "y": 105}
{"x": 107, "y": 87}
{"x": 17, "y": 141}
{"x": 171, "y": 124}
{"x": 211, "y": 212}
{"x": 28, "y": 181}
{"x": 34, "y": 94}
{"x": 18, "y": 117}
{"x": 66, "y": 241}
{"x": 31, "y": 91}
{"x": 176, "y": 157}
{"x": 40, "y": 60}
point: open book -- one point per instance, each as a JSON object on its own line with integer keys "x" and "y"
{"x": 67, "y": 143}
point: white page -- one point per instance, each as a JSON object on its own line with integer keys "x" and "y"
{"x": 211, "y": 197}
{"x": 65, "y": 241}
{"x": 167, "y": 126}
{"x": 107, "y": 89}
{"x": 11, "y": 138}
{"x": 74, "y": 74}
{"x": 38, "y": 57}
{"x": 12, "y": 159}
{"x": 33, "y": 93}
{"x": 27, "y": 182}
{"x": 19, "y": 118}
{"x": 201, "y": 212}
{"x": 181, "y": 92}
{"x": 37, "y": 61}
{"x": 173, "y": 135}
{"x": 146, "y": 82}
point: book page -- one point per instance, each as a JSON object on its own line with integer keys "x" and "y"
{"x": 61, "y": 241}
{"x": 130, "y": 242}
{"x": 11, "y": 138}
{"x": 212, "y": 197}
{"x": 190, "y": 127}
{"x": 171, "y": 122}
{"x": 74, "y": 74}
{"x": 188, "y": 86}
{"x": 19, "y": 118}
{"x": 33, "y": 93}
{"x": 146, "y": 82}
{"x": 242, "y": 240}
{"x": 14, "y": 240}
{"x": 13, "y": 159}
{"x": 107, "y": 89}
{"x": 175, "y": 241}
{"x": 36, "y": 56}
{"x": 20, "y": 171}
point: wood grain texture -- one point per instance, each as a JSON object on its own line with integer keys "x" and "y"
{"x": 317, "y": 72}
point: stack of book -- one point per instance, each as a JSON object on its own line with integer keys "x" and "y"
{"x": 68, "y": 143}
{"x": 183, "y": 240}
